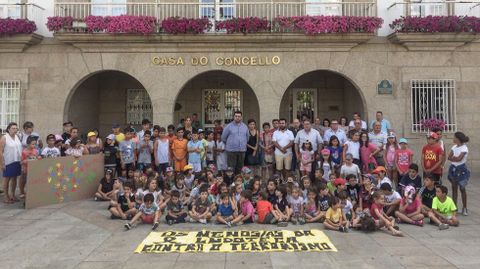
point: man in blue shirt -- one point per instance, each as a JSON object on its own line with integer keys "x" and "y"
{"x": 386, "y": 127}
{"x": 235, "y": 137}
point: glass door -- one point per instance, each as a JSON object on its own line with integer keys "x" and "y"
{"x": 217, "y": 10}
{"x": 305, "y": 103}
{"x": 323, "y": 7}
{"x": 220, "y": 104}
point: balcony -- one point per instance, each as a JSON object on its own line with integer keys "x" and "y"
{"x": 29, "y": 11}
{"x": 422, "y": 8}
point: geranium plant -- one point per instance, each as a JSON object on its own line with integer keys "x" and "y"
{"x": 131, "y": 24}
{"x": 244, "y": 25}
{"x": 436, "y": 24}
{"x": 96, "y": 23}
{"x": 58, "y": 23}
{"x": 328, "y": 24}
{"x": 177, "y": 25}
{"x": 16, "y": 26}
{"x": 432, "y": 123}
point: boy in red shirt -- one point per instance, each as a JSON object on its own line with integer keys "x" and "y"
{"x": 432, "y": 157}
{"x": 264, "y": 210}
{"x": 29, "y": 153}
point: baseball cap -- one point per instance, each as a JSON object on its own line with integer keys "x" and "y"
{"x": 200, "y": 131}
{"x": 187, "y": 167}
{"x": 229, "y": 169}
{"x": 402, "y": 140}
{"x": 339, "y": 181}
{"x": 91, "y": 134}
{"x": 111, "y": 137}
{"x": 432, "y": 135}
{"x": 379, "y": 169}
{"x": 169, "y": 169}
{"x": 246, "y": 170}
{"x": 391, "y": 135}
{"x": 115, "y": 125}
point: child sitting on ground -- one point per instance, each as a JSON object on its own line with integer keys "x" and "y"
{"x": 226, "y": 210}
{"x": 201, "y": 207}
{"x": 296, "y": 203}
{"x": 334, "y": 219}
{"x": 124, "y": 207}
{"x": 381, "y": 219}
{"x": 444, "y": 211}
{"x": 353, "y": 189}
{"x": 410, "y": 210}
{"x": 282, "y": 210}
{"x": 247, "y": 211}
{"x": 105, "y": 190}
{"x": 312, "y": 211}
{"x": 347, "y": 207}
{"x": 392, "y": 199}
{"x": 265, "y": 210}
{"x": 175, "y": 213}
{"x": 148, "y": 213}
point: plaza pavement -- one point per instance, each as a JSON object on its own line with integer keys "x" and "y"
{"x": 81, "y": 235}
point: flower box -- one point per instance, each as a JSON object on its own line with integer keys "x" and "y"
{"x": 10, "y": 27}
{"x": 432, "y": 41}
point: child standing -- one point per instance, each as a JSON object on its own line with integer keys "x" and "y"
{"x": 389, "y": 157}
{"x": 179, "y": 150}
{"x": 381, "y": 219}
{"x": 247, "y": 210}
{"x": 410, "y": 210}
{"x": 265, "y": 210}
{"x": 334, "y": 217}
{"x": 201, "y": 208}
{"x": 458, "y": 173}
{"x": 148, "y": 213}
{"x": 76, "y": 149}
{"x": 175, "y": 213}
{"x": 195, "y": 149}
{"x": 368, "y": 151}
{"x": 326, "y": 164}
{"x": 349, "y": 167}
{"x": 162, "y": 151}
{"x": 110, "y": 154}
{"x": 307, "y": 155}
{"x": 144, "y": 151}
{"x": 127, "y": 150}
{"x": 296, "y": 203}
{"x": 221, "y": 155}
{"x": 353, "y": 190}
{"x": 210, "y": 149}
{"x": 444, "y": 210}
{"x": 30, "y": 153}
{"x": 403, "y": 158}
{"x": 336, "y": 151}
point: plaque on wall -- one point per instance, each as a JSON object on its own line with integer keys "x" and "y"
{"x": 385, "y": 87}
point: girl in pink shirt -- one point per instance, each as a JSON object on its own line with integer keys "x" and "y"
{"x": 410, "y": 208}
{"x": 403, "y": 158}
{"x": 367, "y": 154}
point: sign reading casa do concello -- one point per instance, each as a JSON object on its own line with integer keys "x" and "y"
{"x": 220, "y": 61}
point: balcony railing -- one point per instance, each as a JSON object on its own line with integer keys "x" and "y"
{"x": 218, "y": 11}
{"x": 31, "y": 12}
{"x": 437, "y": 8}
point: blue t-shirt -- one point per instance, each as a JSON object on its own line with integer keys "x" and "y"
{"x": 194, "y": 157}
{"x": 336, "y": 154}
{"x": 127, "y": 148}
{"x": 225, "y": 211}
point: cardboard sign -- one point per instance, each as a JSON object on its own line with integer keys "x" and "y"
{"x": 63, "y": 179}
{"x": 235, "y": 241}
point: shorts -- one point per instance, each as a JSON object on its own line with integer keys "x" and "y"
{"x": 13, "y": 170}
{"x": 148, "y": 219}
{"x": 197, "y": 167}
{"x": 268, "y": 218}
{"x": 268, "y": 159}
{"x": 143, "y": 166}
{"x": 459, "y": 175}
{"x": 283, "y": 162}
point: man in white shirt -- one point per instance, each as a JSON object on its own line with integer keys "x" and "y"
{"x": 339, "y": 133}
{"x": 308, "y": 134}
{"x": 378, "y": 138}
{"x": 283, "y": 141}
{"x": 356, "y": 116}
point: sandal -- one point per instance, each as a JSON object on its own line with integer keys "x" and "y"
{"x": 14, "y": 199}
{"x": 397, "y": 233}
{"x": 22, "y": 196}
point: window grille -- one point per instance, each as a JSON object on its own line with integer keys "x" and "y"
{"x": 9, "y": 102}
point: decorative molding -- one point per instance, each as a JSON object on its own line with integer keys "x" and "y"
{"x": 18, "y": 43}
{"x": 432, "y": 41}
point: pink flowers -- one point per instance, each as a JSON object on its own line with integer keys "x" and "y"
{"x": 430, "y": 124}
{"x": 441, "y": 24}
{"x": 328, "y": 24}
{"x": 244, "y": 25}
{"x": 122, "y": 24}
{"x": 16, "y": 26}
{"x": 57, "y": 23}
{"x": 177, "y": 25}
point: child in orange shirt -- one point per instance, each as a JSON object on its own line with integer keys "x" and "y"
{"x": 179, "y": 150}
{"x": 265, "y": 210}
{"x": 29, "y": 153}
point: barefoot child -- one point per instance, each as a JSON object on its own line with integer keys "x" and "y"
{"x": 148, "y": 213}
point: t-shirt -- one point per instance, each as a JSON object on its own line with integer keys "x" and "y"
{"x": 390, "y": 151}
{"x": 163, "y": 151}
{"x": 247, "y": 209}
{"x": 416, "y": 203}
{"x": 29, "y": 155}
{"x": 144, "y": 151}
{"x": 366, "y": 197}
{"x": 427, "y": 196}
{"x": 415, "y": 182}
{"x": 110, "y": 155}
{"x": 75, "y": 152}
{"x": 348, "y": 207}
{"x": 271, "y": 197}
{"x": 50, "y": 152}
{"x": 174, "y": 207}
{"x": 353, "y": 148}
{"x": 210, "y": 150}
{"x": 431, "y": 156}
{"x": 283, "y": 138}
{"x": 327, "y": 170}
{"x": 403, "y": 159}
{"x": 281, "y": 204}
{"x": 194, "y": 157}
{"x": 374, "y": 213}
{"x": 106, "y": 186}
{"x": 446, "y": 208}
{"x": 225, "y": 210}
{"x": 323, "y": 202}
{"x": 296, "y": 204}
{"x": 127, "y": 148}
{"x": 457, "y": 151}
{"x": 353, "y": 192}
{"x": 336, "y": 154}
{"x": 148, "y": 211}
{"x": 334, "y": 215}
{"x": 384, "y": 180}
{"x": 365, "y": 155}
{"x": 123, "y": 202}
{"x": 202, "y": 206}
{"x": 263, "y": 208}
{"x": 347, "y": 170}
{"x": 392, "y": 197}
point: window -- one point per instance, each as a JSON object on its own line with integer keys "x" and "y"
{"x": 323, "y": 7}
{"x": 139, "y": 106}
{"x": 11, "y": 10}
{"x": 433, "y": 99}
{"x": 217, "y": 9}
{"x": 220, "y": 105}
{"x": 420, "y": 9}
{"x": 9, "y": 102}
{"x": 109, "y": 7}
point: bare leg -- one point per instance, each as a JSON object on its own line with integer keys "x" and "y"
{"x": 463, "y": 191}
{"x": 6, "y": 189}
{"x": 13, "y": 186}
{"x": 454, "y": 192}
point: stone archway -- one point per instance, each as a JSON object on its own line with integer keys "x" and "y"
{"x": 323, "y": 94}
{"x": 215, "y": 95}
{"x": 107, "y": 97}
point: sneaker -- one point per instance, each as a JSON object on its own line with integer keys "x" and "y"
{"x": 192, "y": 220}
{"x": 341, "y": 229}
{"x": 443, "y": 226}
{"x": 114, "y": 217}
{"x": 273, "y": 221}
{"x": 95, "y": 198}
{"x": 465, "y": 212}
{"x": 301, "y": 221}
{"x": 127, "y": 226}
{"x": 396, "y": 227}
{"x": 229, "y": 224}
{"x": 203, "y": 221}
{"x": 240, "y": 223}
{"x": 398, "y": 220}
{"x": 418, "y": 223}
{"x": 155, "y": 226}
{"x": 282, "y": 224}
{"x": 294, "y": 221}
{"x": 345, "y": 229}
{"x": 170, "y": 222}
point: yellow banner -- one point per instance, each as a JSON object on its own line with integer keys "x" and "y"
{"x": 235, "y": 241}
